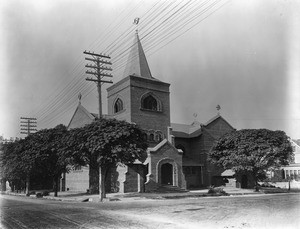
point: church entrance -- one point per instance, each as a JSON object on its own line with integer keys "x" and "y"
{"x": 167, "y": 174}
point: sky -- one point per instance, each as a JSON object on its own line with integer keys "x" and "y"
{"x": 243, "y": 55}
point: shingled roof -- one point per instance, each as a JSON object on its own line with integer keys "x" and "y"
{"x": 195, "y": 129}
{"x": 82, "y": 117}
{"x": 185, "y": 130}
{"x": 137, "y": 64}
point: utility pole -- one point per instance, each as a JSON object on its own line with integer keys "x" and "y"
{"x": 27, "y": 125}
{"x": 100, "y": 69}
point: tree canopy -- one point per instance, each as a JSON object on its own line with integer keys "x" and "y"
{"x": 38, "y": 153}
{"x": 47, "y": 146}
{"x": 104, "y": 144}
{"x": 11, "y": 163}
{"x": 252, "y": 150}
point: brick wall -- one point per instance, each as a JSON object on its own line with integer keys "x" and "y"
{"x": 155, "y": 120}
{"x": 130, "y": 90}
{"x": 198, "y": 147}
{"x": 120, "y": 90}
{"x": 186, "y": 143}
{"x": 165, "y": 153}
{"x": 219, "y": 127}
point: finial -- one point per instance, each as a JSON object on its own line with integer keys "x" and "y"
{"x": 196, "y": 123}
{"x": 218, "y": 108}
{"x": 136, "y": 21}
{"x": 79, "y": 98}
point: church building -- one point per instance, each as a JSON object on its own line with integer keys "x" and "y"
{"x": 177, "y": 153}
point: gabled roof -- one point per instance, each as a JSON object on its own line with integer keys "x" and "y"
{"x": 94, "y": 114}
{"x": 212, "y": 131}
{"x": 215, "y": 118}
{"x": 295, "y": 143}
{"x": 81, "y": 117}
{"x": 160, "y": 145}
{"x": 195, "y": 129}
{"x": 185, "y": 131}
{"x": 137, "y": 64}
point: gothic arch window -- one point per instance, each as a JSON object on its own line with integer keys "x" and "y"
{"x": 149, "y": 102}
{"x": 118, "y": 105}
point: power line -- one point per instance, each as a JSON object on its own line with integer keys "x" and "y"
{"x": 41, "y": 108}
{"x": 119, "y": 42}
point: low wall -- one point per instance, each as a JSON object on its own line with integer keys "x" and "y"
{"x": 293, "y": 184}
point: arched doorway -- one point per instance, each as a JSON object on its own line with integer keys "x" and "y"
{"x": 244, "y": 183}
{"x": 167, "y": 174}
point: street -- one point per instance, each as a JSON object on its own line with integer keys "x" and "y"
{"x": 249, "y": 211}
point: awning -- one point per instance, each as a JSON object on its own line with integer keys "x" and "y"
{"x": 228, "y": 173}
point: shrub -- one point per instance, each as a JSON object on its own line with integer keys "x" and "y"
{"x": 39, "y": 195}
{"x": 216, "y": 191}
{"x": 45, "y": 193}
{"x": 30, "y": 193}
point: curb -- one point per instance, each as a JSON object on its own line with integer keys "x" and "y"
{"x": 95, "y": 198}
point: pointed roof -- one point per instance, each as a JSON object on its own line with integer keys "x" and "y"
{"x": 160, "y": 145}
{"x": 137, "y": 64}
{"x": 218, "y": 116}
{"x": 81, "y": 117}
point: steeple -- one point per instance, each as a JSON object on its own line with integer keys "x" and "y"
{"x": 137, "y": 63}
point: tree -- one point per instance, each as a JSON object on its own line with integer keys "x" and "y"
{"x": 48, "y": 155}
{"x": 11, "y": 158}
{"x": 104, "y": 144}
{"x": 252, "y": 150}
{"x": 38, "y": 153}
{"x": 18, "y": 162}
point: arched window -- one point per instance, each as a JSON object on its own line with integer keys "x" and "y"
{"x": 182, "y": 148}
{"x": 150, "y": 103}
{"x": 158, "y": 137}
{"x": 145, "y": 136}
{"x": 151, "y": 137}
{"x": 118, "y": 105}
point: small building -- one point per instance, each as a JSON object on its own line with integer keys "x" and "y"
{"x": 291, "y": 171}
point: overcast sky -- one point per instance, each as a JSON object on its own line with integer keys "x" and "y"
{"x": 244, "y": 57}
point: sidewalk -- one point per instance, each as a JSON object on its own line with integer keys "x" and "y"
{"x": 84, "y": 197}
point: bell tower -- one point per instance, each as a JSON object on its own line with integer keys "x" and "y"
{"x": 140, "y": 98}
